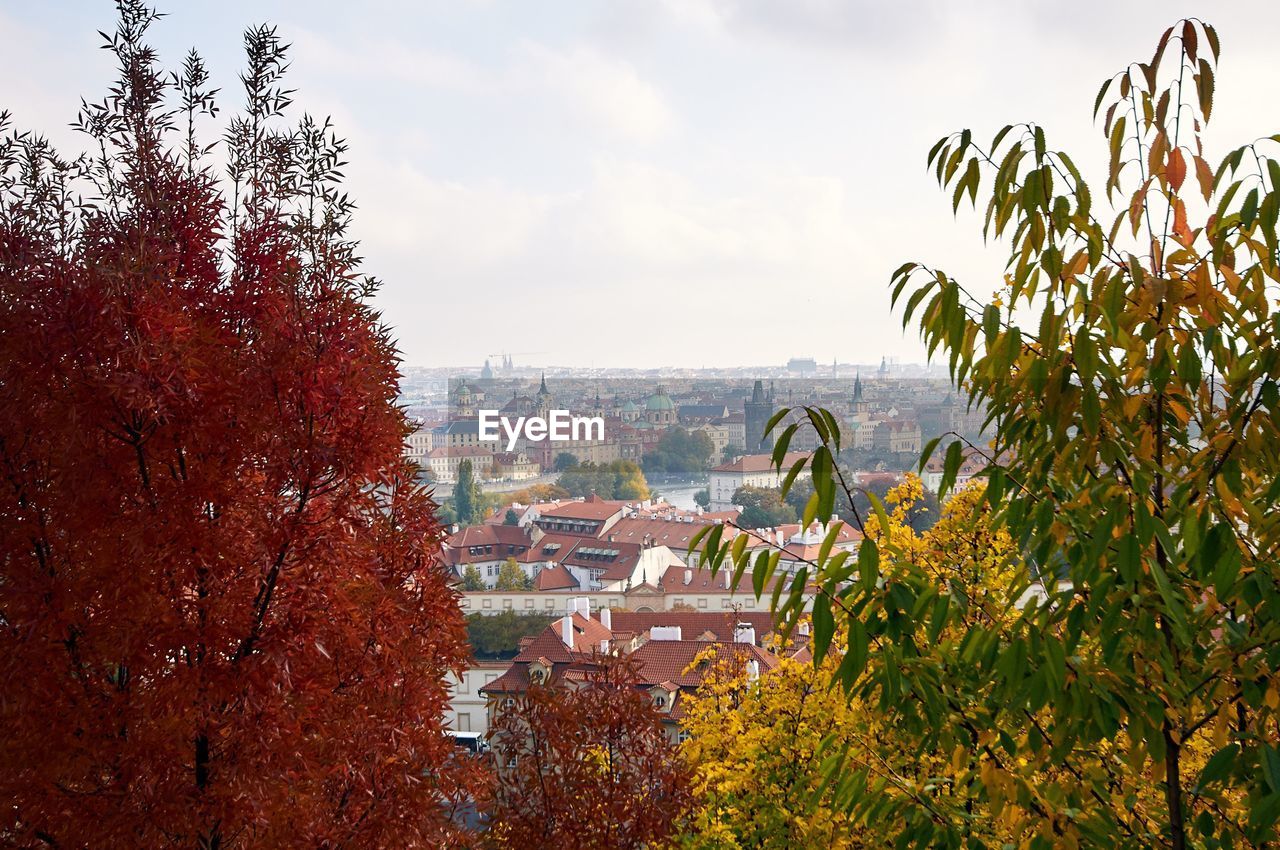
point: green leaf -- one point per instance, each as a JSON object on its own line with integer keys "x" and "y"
{"x": 868, "y": 563}
{"x": 881, "y": 514}
{"x": 950, "y": 468}
{"x": 1271, "y": 767}
{"x": 824, "y": 627}
{"x": 1217, "y": 766}
{"x": 855, "y": 658}
{"x": 1249, "y": 210}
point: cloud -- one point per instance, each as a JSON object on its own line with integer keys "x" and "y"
{"x": 603, "y": 91}
{"x": 600, "y": 93}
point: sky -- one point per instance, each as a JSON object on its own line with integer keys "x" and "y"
{"x": 648, "y": 183}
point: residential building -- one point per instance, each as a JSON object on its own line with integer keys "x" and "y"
{"x": 666, "y": 659}
{"x": 753, "y": 470}
{"x": 897, "y": 436}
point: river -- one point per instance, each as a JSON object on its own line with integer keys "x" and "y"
{"x": 679, "y": 493}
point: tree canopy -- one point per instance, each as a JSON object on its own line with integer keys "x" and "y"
{"x": 680, "y": 452}
{"x": 206, "y": 521}
{"x": 468, "y": 499}
{"x": 1119, "y": 687}
{"x": 619, "y": 479}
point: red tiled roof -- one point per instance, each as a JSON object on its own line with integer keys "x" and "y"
{"x": 460, "y": 451}
{"x": 760, "y": 463}
{"x": 662, "y": 660}
{"x": 693, "y": 623}
{"x": 555, "y": 577}
{"x": 663, "y": 532}
{"x": 487, "y": 535}
{"x": 587, "y": 635}
{"x": 672, "y": 581}
{"x": 500, "y": 537}
{"x": 588, "y": 510}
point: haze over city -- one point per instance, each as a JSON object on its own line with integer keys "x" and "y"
{"x": 656, "y": 184}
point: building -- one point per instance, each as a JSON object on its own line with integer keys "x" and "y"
{"x": 660, "y": 410}
{"x": 468, "y": 707}
{"x": 487, "y": 546}
{"x": 736, "y": 426}
{"x": 665, "y": 649}
{"x": 514, "y": 466}
{"x": 692, "y": 415}
{"x": 971, "y": 465}
{"x": 755, "y": 470}
{"x": 418, "y": 444}
{"x": 802, "y": 365}
{"x": 897, "y": 436}
{"x": 757, "y": 412}
{"x": 589, "y": 517}
{"x": 718, "y": 434}
{"x": 443, "y": 463}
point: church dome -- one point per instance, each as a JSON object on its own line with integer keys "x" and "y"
{"x": 660, "y": 401}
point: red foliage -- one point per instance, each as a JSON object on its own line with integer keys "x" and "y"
{"x": 223, "y": 622}
{"x": 586, "y": 765}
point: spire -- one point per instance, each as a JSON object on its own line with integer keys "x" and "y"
{"x": 542, "y": 390}
{"x": 857, "y": 387}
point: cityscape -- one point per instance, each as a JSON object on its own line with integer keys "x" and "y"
{"x": 360, "y": 488}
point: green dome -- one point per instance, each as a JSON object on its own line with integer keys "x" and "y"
{"x": 630, "y": 407}
{"x": 660, "y": 401}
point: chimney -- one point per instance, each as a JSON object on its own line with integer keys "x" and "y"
{"x": 753, "y": 670}
{"x": 664, "y": 633}
{"x": 580, "y": 605}
{"x": 744, "y": 633}
{"x": 606, "y": 618}
{"x": 688, "y": 575}
{"x": 803, "y": 629}
{"x": 566, "y": 629}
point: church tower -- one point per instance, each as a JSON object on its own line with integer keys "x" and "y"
{"x": 757, "y": 412}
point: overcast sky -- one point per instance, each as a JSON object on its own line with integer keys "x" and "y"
{"x": 660, "y": 182}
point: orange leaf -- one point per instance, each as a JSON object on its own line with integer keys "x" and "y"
{"x": 1180, "y": 228}
{"x": 1204, "y": 176}
{"x": 1176, "y": 169}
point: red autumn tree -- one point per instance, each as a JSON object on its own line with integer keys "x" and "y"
{"x": 223, "y": 622}
{"x": 586, "y": 765}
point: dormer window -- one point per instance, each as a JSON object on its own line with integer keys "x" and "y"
{"x": 660, "y": 700}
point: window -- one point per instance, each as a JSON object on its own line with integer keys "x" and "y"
{"x": 660, "y": 701}
{"x": 683, "y": 736}
{"x": 528, "y": 603}
{"x": 702, "y": 603}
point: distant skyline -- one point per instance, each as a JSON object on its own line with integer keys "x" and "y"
{"x": 659, "y": 182}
